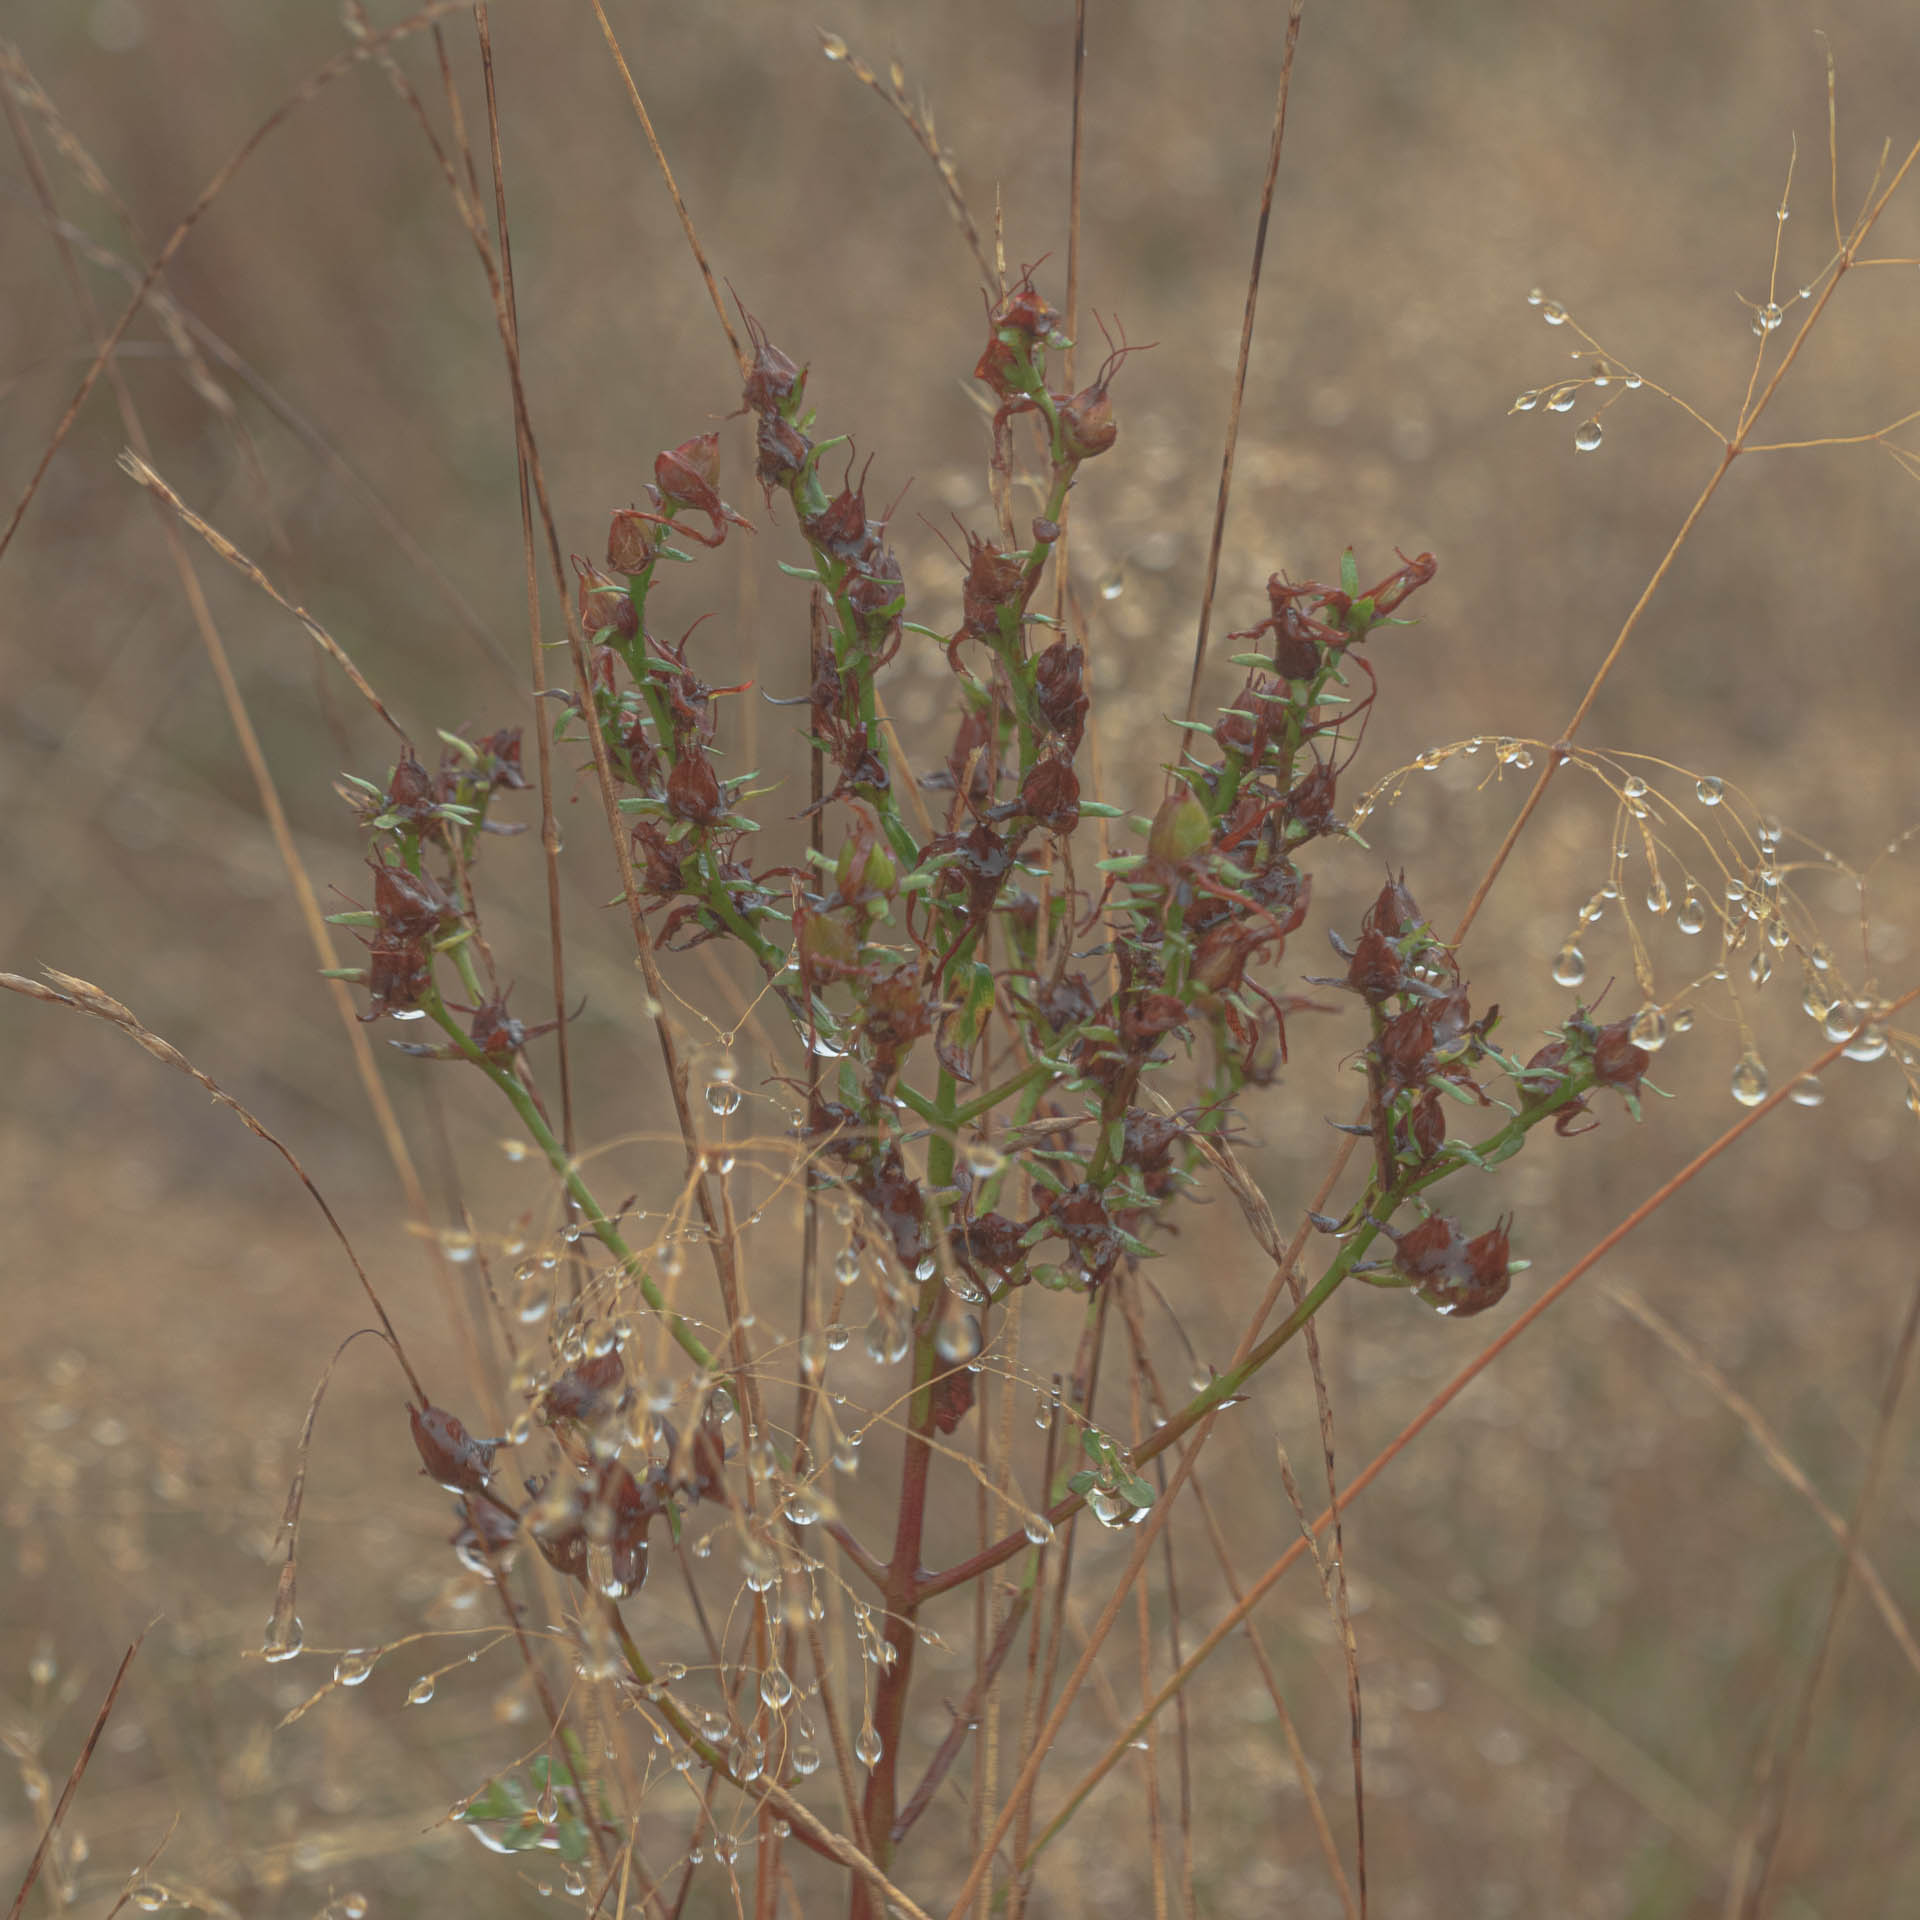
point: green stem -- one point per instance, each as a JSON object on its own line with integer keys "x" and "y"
{"x": 562, "y": 1163}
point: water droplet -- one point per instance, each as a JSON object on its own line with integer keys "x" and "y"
{"x": 1109, "y": 1508}
{"x": 1553, "y": 313}
{"x": 1658, "y": 899}
{"x": 804, "y": 1759}
{"x": 723, "y": 1097}
{"x": 1586, "y": 436}
{"x": 957, "y": 1338}
{"x": 833, "y": 46}
{"x": 925, "y": 1267}
{"x": 1710, "y": 789}
{"x": 1870, "y": 1044}
{"x": 1807, "y": 1091}
{"x": 1770, "y": 315}
{"x": 1569, "y": 966}
{"x": 804, "y": 1507}
{"x": 1534, "y": 296}
{"x": 421, "y": 1691}
{"x": 1749, "y": 1081}
{"x": 352, "y": 1668}
{"x": 1114, "y": 585}
{"x": 285, "y": 1636}
{"x": 1039, "y": 1529}
{"x": 1561, "y": 399}
{"x": 574, "y": 1881}
{"x": 1649, "y": 1029}
{"x": 776, "y": 1688}
{"x": 846, "y": 1266}
{"x": 1525, "y": 403}
{"x": 1692, "y": 916}
{"x": 984, "y": 1159}
{"x": 148, "y": 1897}
{"x": 515, "y": 1149}
{"x": 759, "y": 1565}
{"x": 866, "y": 1749}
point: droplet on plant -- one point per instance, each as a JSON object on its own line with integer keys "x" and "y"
{"x": 1749, "y": 1081}
{"x": 984, "y": 1159}
{"x": 1561, "y": 399}
{"x": 1649, "y": 1029}
{"x": 1710, "y": 789}
{"x": 1569, "y": 966}
{"x": 1525, "y": 403}
{"x": 957, "y": 1338}
{"x": 866, "y": 1749}
{"x": 1039, "y": 1529}
{"x": 1807, "y": 1091}
{"x": 285, "y": 1637}
{"x": 833, "y": 46}
{"x": 1692, "y": 916}
{"x": 421, "y": 1691}
{"x": 1553, "y": 313}
{"x": 776, "y": 1689}
{"x": 1586, "y": 436}
{"x": 1869, "y": 1044}
{"x": 352, "y": 1668}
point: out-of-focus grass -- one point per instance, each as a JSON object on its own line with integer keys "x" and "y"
{"x": 1586, "y": 1603}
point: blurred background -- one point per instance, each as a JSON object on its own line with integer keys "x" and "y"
{"x": 1587, "y": 1600}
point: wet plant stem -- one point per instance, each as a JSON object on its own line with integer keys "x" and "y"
{"x": 561, "y": 1161}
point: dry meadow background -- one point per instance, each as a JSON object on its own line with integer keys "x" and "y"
{"x": 1586, "y": 1599}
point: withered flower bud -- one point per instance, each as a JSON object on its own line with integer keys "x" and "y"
{"x": 631, "y": 541}
{"x": 693, "y": 788}
{"x": 451, "y": 1455}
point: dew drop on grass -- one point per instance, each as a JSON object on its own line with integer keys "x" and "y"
{"x": 833, "y": 46}
{"x": 1649, "y": 1029}
{"x": 285, "y": 1637}
{"x": 148, "y": 1897}
{"x": 1525, "y": 403}
{"x": 957, "y": 1338}
{"x": 1749, "y": 1081}
{"x": 1658, "y": 900}
{"x": 1871, "y": 1044}
{"x": 1113, "y": 586}
{"x": 1807, "y": 1091}
{"x": 1692, "y": 916}
{"x": 1561, "y": 399}
{"x": 1586, "y": 436}
{"x": 723, "y": 1098}
{"x": 1553, "y": 313}
{"x": 1534, "y": 296}
{"x": 421, "y": 1691}
{"x": 984, "y": 1159}
{"x": 1569, "y": 966}
{"x": 1039, "y": 1529}
{"x": 846, "y": 1267}
{"x": 776, "y": 1689}
{"x": 1710, "y": 789}
{"x": 352, "y": 1668}
{"x": 805, "y": 1759}
{"x": 846, "y": 1453}
{"x": 866, "y": 1749}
